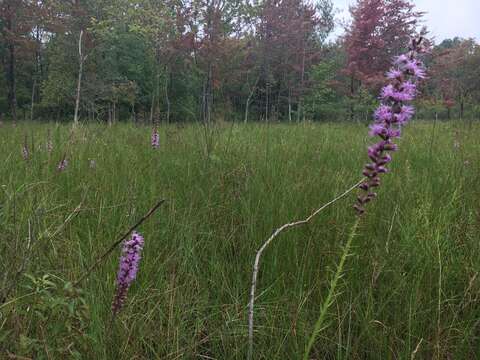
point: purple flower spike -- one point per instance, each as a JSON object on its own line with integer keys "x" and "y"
{"x": 25, "y": 151}
{"x": 155, "y": 138}
{"x": 128, "y": 268}
{"x": 49, "y": 145}
{"x": 390, "y": 116}
{"x": 62, "y": 165}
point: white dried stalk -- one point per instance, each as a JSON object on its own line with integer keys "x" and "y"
{"x": 256, "y": 265}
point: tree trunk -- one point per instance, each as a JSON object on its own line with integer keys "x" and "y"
{"x": 247, "y": 105}
{"x": 134, "y": 115}
{"x": 33, "y": 98}
{"x": 79, "y": 82}
{"x": 302, "y": 89}
{"x": 205, "y": 101}
{"x": 289, "y": 105}
{"x": 37, "y": 71}
{"x": 152, "y": 106}
{"x": 352, "y": 91}
{"x": 157, "y": 105}
{"x": 109, "y": 114}
{"x": 10, "y": 67}
{"x": 462, "y": 108}
{"x": 249, "y": 98}
{"x": 207, "y": 96}
{"x": 267, "y": 101}
{"x": 167, "y": 98}
{"x": 11, "y": 81}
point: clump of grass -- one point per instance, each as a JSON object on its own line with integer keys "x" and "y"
{"x": 189, "y": 300}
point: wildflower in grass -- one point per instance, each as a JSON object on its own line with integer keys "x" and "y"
{"x": 92, "y": 164}
{"x": 62, "y": 165}
{"x": 155, "y": 138}
{"x": 49, "y": 144}
{"x": 129, "y": 261}
{"x": 25, "y": 151}
{"x": 391, "y": 115}
{"x": 456, "y": 142}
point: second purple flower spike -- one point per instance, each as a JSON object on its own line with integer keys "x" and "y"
{"x": 127, "y": 272}
{"x": 155, "y": 138}
{"x": 392, "y": 114}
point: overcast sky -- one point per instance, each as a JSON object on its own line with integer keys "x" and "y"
{"x": 444, "y": 18}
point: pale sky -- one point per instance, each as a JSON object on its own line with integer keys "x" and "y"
{"x": 444, "y": 18}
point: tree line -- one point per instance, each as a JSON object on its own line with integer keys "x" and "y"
{"x": 213, "y": 60}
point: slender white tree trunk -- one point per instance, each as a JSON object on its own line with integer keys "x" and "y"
{"x": 289, "y": 105}
{"x": 249, "y": 99}
{"x": 167, "y": 98}
{"x": 33, "y": 98}
{"x": 79, "y": 83}
{"x": 152, "y": 107}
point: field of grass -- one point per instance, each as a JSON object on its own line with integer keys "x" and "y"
{"x": 410, "y": 288}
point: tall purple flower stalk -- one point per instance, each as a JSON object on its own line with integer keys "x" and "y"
{"x": 155, "y": 138}
{"x": 49, "y": 144}
{"x": 394, "y": 112}
{"x": 62, "y": 165}
{"x": 129, "y": 261}
{"x": 25, "y": 151}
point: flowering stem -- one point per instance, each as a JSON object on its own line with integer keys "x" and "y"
{"x": 331, "y": 292}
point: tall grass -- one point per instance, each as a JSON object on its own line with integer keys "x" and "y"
{"x": 409, "y": 289}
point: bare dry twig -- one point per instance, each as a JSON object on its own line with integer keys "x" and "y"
{"x": 256, "y": 265}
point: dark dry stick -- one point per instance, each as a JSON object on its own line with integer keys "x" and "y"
{"x": 118, "y": 242}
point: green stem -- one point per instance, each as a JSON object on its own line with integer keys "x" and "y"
{"x": 331, "y": 293}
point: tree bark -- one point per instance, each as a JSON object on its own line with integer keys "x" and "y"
{"x": 167, "y": 98}
{"x": 152, "y": 106}
{"x": 79, "y": 82}
{"x": 11, "y": 68}
{"x": 289, "y": 105}
{"x": 109, "y": 114}
{"x": 33, "y": 98}
{"x": 249, "y": 98}
{"x": 267, "y": 98}
{"x": 352, "y": 92}
{"x": 207, "y": 96}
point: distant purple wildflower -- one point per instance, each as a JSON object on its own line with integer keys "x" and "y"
{"x": 25, "y": 151}
{"x": 390, "y": 116}
{"x": 155, "y": 138}
{"x": 62, "y": 165}
{"x": 49, "y": 144}
{"x": 127, "y": 271}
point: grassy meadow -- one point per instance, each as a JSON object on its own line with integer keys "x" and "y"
{"x": 410, "y": 289}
